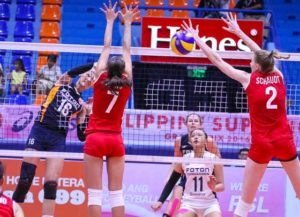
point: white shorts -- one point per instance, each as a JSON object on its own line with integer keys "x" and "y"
{"x": 200, "y": 209}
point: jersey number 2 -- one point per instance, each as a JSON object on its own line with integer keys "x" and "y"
{"x": 112, "y": 102}
{"x": 273, "y": 92}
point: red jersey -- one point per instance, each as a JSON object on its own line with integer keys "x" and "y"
{"x": 108, "y": 109}
{"x": 267, "y": 107}
{"x": 6, "y": 206}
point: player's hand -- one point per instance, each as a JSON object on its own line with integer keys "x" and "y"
{"x": 212, "y": 182}
{"x": 109, "y": 11}
{"x": 156, "y": 206}
{"x": 189, "y": 28}
{"x": 129, "y": 13}
{"x": 232, "y": 25}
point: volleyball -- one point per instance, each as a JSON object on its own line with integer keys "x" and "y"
{"x": 182, "y": 43}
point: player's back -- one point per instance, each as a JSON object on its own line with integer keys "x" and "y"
{"x": 267, "y": 104}
{"x": 6, "y": 206}
{"x": 61, "y": 103}
{"x": 108, "y": 107}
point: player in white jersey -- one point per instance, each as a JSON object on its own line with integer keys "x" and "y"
{"x": 202, "y": 180}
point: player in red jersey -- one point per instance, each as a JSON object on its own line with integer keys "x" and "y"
{"x": 103, "y": 135}
{"x": 270, "y": 130}
{"x": 8, "y": 208}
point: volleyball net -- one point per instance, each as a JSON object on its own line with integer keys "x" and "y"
{"x": 165, "y": 90}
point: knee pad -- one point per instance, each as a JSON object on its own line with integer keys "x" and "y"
{"x": 242, "y": 208}
{"x": 116, "y": 198}
{"x": 50, "y": 188}
{"x": 94, "y": 197}
{"x": 25, "y": 181}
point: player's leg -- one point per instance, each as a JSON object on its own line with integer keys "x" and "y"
{"x": 54, "y": 167}
{"x": 184, "y": 212}
{"x": 286, "y": 152}
{"x": 292, "y": 169}
{"x": 27, "y": 174}
{"x": 93, "y": 175}
{"x": 28, "y": 166}
{"x": 213, "y": 210}
{"x": 174, "y": 203}
{"x": 115, "y": 171}
{"x": 252, "y": 176}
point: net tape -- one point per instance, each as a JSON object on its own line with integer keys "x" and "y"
{"x": 139, "y": 51}
{"x": 133, "y": 158}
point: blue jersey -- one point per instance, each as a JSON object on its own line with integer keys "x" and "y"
{"x": 61, "y": 103}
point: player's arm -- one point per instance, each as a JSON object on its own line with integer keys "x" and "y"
{"x": 219, "y": 178}
{"x": 18, "y": 212}
{"x": 82, "y": 120}
{"x": 238, "y": 75}
{"x": 233, "y": 27}
{"x": 111, "y": 15}
{"x": 128, "y": 18}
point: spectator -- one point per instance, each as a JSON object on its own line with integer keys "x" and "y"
{"x": 17, "y": 77}
{"x": 48, "y": 75}
{"x": 251, "y": 5}
{"x": 217, "y": 4}
{"x": 243, "y": 153}
{"x": 2, "y": 81}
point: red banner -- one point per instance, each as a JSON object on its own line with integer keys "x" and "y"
{"x": 157, "y": 33}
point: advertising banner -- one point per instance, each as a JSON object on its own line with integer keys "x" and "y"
{"x": 143, "y": 183}
{"x": 158, "y": 31}
{"x": 145, "y": 127}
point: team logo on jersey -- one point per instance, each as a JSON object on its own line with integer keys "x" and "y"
{"x": 22, "y": 122}
{"x": 197, "y": 171}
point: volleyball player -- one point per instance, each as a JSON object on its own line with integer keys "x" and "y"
{"x": 49, "y": 132}
{"x": 271, "y": 134}
{"x": 202, "y": 180}
{"x": 8, "y": 208}
{"x": 182, "y": 147}
{"x": 103, "y": 134}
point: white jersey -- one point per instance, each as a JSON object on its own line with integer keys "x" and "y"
{"x": 197, "y": 175}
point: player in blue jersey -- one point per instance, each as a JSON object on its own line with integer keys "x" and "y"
{"x": 49, "y": 134}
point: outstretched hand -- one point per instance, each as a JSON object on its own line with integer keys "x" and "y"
{"x": 109, "y": 11}
{"x": 232, "y": 25}
{"x": 129, "y": 14}
{"x": 189, "y": 28}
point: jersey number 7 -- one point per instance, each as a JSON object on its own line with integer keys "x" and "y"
{"x": 113, "y": 101}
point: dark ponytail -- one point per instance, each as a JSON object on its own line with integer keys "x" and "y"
{"x": 115, "y": 79}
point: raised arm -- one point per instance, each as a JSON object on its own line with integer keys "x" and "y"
{"x": 111, "y": 15}
{"x": 128, "y": 18}
{"x": 233, "y": 27}
{"x": 238, "y": 75}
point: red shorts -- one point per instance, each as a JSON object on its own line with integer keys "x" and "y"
{"x": 101, "y": 144}
{"x": 262, "y": 151}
